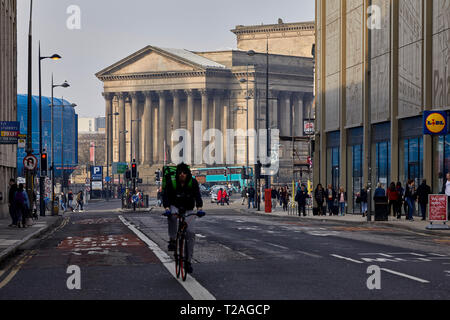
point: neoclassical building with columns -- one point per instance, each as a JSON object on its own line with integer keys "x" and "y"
{"x": 155, "y": 91}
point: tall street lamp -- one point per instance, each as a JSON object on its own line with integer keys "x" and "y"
{"x": 41, "y": 177}
{"x": 131, "y": 140}
{"x": 64, "y": 85}
{"x": 107, "y": 150}
{"x": 124, "y": 133}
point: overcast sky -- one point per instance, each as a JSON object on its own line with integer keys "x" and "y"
{"x": 113, "y": 29}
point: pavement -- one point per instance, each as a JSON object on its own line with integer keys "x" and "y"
{"x": 355, "y": 219}
{"x": 11, "y": 239}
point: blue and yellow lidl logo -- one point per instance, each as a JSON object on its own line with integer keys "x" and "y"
{"x": 435, "y": 122}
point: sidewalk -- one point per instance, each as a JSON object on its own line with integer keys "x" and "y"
{"x": 12, "y": 238}
{"x": 354, "y": 219}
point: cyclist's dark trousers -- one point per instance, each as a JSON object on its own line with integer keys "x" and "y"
{"x": 190, "y": 232}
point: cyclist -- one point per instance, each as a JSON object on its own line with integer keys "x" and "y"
{"x": 184, "y": 193}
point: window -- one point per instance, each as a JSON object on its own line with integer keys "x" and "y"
{"x": 383, "y": 162}
{"x": 412, "y": 159}
{"x": 357, "y": 174}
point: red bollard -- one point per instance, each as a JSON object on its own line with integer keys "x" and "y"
{"x": 268, "y": 200}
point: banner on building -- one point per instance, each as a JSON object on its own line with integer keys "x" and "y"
{"x": 9, "y": 132}
{"x": 435, "y": 123}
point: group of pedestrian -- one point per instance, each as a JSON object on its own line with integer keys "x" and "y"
{"x": 249, "y": 194}
{"x": 336, "y": 200}
{"x": 222, "y": 197}
{"x": 19, "y": 205}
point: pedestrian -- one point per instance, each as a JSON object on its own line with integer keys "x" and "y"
{"x": 364, "y": 200}
{"x": 11, "y": 202}
{"x": 275, "y": 196}
{"x": 446, "y": 189}
{"x": 219, "y": 196}
{"x": 22, "y": 205}
{"x": 63, "y": 202}
{"x": 284, "y": 198}
{"x": 225, "y": 198}
{"x": 251, "y": 197}
{"x": 342, "y": 197}
{"x": 80, "y": 199}
{"x": 393, "y": 196}
{"x": 410, "y": 196}
{"x": 300, "y": 198}
{"x": 159, "y": 197}
{"x": 70, "y": 200}
{"x": 401, "y": 198}
{"x": 320, "y": 196}
{"x": 244, "y": 195}
{"x": 331, "y": 197}
{"x": 423, "y": 191}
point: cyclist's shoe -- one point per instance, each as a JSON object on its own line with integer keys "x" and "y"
{"x": 189, "y": 268}
{"x": 172, "y": 245}
{"x": 201, "y": 214}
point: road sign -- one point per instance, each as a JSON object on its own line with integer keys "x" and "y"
{"x": 119, "y": 167}
{"x": 9, "y": 132}
{"x": 30, "y": 162}
{"x": 135, "y": 198}
{"x": 438, "y": 208}
{"x": 97, "y": 173}
{"x": 97, "y": 185}
{"x": 108, "y": 179}
{"x": 88, "y": 189}
{"x": 88, "y": 181}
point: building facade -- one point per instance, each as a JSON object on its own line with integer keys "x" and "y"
{"x": 8, "y": 94}
{"x": 379, "y": 65}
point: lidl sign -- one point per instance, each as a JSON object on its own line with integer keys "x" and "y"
{"x": 435, "y": 123}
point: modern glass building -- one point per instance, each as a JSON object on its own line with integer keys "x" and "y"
{"x": 379, "y": 65}
{"x": 65, "y": 125}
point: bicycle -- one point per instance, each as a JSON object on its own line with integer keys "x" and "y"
{"x": 181, "y": 242}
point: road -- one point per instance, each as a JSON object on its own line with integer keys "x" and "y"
{"x": 238, "y": 256}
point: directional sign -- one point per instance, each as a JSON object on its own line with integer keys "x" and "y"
{"x": 108, "y": 179}
{"x": 30, "y": 162}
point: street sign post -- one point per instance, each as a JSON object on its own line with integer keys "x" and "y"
{"x": 30, "y": 162}
{"x": 438, "y": 212}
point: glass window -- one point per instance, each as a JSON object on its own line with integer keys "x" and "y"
{"x": 412, "y": 160}
{"x": 441, "y": 161}
{"x": 383, "y": 162}
{"x": 357, "y": 176}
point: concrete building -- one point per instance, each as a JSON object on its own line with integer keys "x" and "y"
{"x": 158, "y": 90}
{"x": 91, "y": 125}
{"x": 375, "y": 75}
{"x": 8, "y": 95}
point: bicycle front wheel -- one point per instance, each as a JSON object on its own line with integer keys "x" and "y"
{"x": 179, "y": 256}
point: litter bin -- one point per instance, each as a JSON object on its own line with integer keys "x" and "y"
{"x": 381, "y": 209}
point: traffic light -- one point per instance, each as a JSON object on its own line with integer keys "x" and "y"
{"x": 128, "y": 175}
{"x": 225, "y": 172}
{"x": 243, "y": 174}
{"x": 158, "y": 176}
{"x": 258, "y": 170}
{"x": 44, "y": 164}
{"x": 134, "y": 170}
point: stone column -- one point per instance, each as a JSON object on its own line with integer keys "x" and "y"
{"x": 135, "y": 126}
{"x": 162, "y": 137}
{"x": 285, "y": 114}
{"x": 273, "y": 109}
{"x": 148, "y": 129}
{"x": 205, "y": 114}
{"x": 122, "y": 118}
{"x": 218, "y": 112}
{"x": 109, "y": 126}
{"x": 225, "y": 122}
{"x": 190, "y": 123}
{"x": 298, "y": 114}
{"x": 176, "y": 94}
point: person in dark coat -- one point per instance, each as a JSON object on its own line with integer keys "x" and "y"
{"x": 330, "y": 196}
{"x": 423, "y": 191}
{"x": 320, "y": 196}
{"x": 11, "y": 202}
{"x": 301, "y": 197}
{"x": 401, "y": 194}
{"x": 411, "y": 198}
{"x": 364, "y": 198}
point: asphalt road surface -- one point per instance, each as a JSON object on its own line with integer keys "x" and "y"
{"x": 238, "y": 256}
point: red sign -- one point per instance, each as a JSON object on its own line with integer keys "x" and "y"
{"x": 437, "y": 205}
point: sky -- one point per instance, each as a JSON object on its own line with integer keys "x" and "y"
{"x": 110, "y": 30}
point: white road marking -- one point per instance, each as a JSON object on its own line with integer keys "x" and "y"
{"x": 348, "y": 259}
{"x": 309, "y": 254}
{"x": 200, "y": 236}
{"x": 405, "y": 275}
{"x": 277, "y": 246}
{"x": 195, "y": 289}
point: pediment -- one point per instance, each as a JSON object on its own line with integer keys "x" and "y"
{"x": 151, "y": 60}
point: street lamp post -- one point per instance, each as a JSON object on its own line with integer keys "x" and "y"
{"x": 124, "y": 133}
{"x": 64, "y": 85}
{"x": 131, "y": 140}
{"x": 42, "y": 178}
